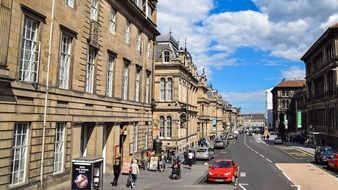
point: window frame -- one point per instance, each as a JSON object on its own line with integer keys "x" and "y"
{"x": 147, "y": 88}
{"x": 94, "y": 10}
{"x": 112, "y": 21}
{"x": 110, "y": 74}
{"x": 149, "y": 48}
{"x": 67, "y": 54}
{"x": 139, "y": 41}
{"x": 127, "y": 32}
{"x": 138, "y": 84}
{"x": 165, "y": 56}
{"x": 90, "y": 70}
{"x": 162, "y": 126}
{"x": 18, "y": 148}
{"x": 69, "y": 3}
{"x": 169, "y": 89}
{"x": 125, "y": 80}
{"x": 162, "y": 89}
{"x": 63, "y": 126}
{"x": 169, "y": 127}
{"x": 33, "y": 51}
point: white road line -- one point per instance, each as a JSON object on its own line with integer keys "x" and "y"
{"x": 261, "y": 155}
{"x": 256, "y": 152}
{"x": 287, "y": 176}
{"x": 284, "y": 173}
{"x": 298, "y": 186}
{"x": 268, "y": 160}
{"x": 241, "y": 185}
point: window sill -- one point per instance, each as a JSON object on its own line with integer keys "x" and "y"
{"x": 59, "y": 173}
{"x": 14, "y": 186}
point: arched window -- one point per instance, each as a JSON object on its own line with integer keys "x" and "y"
{"x": 162, "y": 126}
{"x": 169, "y": 89}
{"x": 169, "y": 127}
{"x": 166, "y": 56}
{"x": 162, "y": 89}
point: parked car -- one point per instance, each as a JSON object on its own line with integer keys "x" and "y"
{"x": 223, "y": 171}
{"x": 332, "y": 163}
{"x": 204, "y": 153}
{"x": 219, "y": 143}
{"x": 278, "y": 140}
{"x": 322, "y": 154}
{"x": 231, "y": 137}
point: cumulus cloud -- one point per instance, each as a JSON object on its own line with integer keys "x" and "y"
{"x": 285, "y": 28}
{"x": 250, "y": 101}
{"x": 294, "y": 73}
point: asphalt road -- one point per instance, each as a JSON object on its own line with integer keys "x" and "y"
{"x": 257, "y": 163}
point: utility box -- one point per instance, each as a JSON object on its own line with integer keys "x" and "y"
{"x": 87, "y": 173}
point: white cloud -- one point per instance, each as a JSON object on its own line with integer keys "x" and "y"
{"x": 331, "y": 21}
{"x": 249, "y": 101}
{"x": 293, "y": 73}
{"x": 285, "y": 28}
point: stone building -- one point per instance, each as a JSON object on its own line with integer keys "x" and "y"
{"x": 215, "y": 112}
{"x": 281, "y": 97}
{"x": 298, "y": 112}
{"x": 75, "y": 81}
{"x": 203, "y": 104}
{"x": 322, "y": 80}
{"x": 175, "y": 115}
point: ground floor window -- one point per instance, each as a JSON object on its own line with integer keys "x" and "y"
{"x": 18, "y": 173}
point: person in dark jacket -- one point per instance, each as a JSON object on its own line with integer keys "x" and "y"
{"x": 117, "y": 171}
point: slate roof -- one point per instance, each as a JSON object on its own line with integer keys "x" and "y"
{"x": 291, "y": 83}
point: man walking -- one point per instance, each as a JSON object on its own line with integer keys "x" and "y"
{"x": 190, "y": 158}
{"x": 117, "y": 171}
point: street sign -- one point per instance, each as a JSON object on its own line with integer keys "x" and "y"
{"x": 299, "y": 119}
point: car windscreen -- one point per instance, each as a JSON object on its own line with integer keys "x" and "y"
{"x": 201, "y": 150}
{"x": 326, "y": 150}
{"x": 223, "y": 164}
{"x": 218, "y": 140}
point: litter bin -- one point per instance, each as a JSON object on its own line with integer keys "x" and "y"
{"x": 87, "y": 173}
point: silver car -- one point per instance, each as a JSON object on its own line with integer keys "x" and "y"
{"x": 219, "y": 143}
{"x": 204, "y": 153}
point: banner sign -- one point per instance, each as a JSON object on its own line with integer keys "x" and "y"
{"x": 299, "y": 119}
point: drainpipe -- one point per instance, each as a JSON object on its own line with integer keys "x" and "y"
{"x": 46, "y": 93}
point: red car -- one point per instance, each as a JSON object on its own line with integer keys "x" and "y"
{"x": 223, "y": 171}
{"x": 333, "y": 162}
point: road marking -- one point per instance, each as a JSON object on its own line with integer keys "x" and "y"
{"x": 256, "y": 152}
{"x": 298, "y": 186}
{"x": 242, "y": 174}
{"x": 287, "y": 176}
{"x": 241, "y": 185}
{"x": 268, "y": 160}
{"x": 283, "y": 173}
{"x": 261, "y": 155}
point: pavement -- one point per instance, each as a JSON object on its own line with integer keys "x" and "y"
{"x": 155, "y": 180}
{"x": 298, "y": 146}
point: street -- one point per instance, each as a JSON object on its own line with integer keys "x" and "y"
{"x": 262, "y": 166}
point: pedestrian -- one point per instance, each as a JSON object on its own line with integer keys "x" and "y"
{"x": 117, "y": 171}
{"x": 134, "y": 171}
{"x": 161, "y": 164}
{"x": 190, "y": 158}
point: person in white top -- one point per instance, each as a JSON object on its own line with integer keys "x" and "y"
{"x": 134, "y": 171}
{"x": 190, "y": 157}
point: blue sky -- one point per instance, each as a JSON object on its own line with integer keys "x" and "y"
{"x": 247, "y": 46}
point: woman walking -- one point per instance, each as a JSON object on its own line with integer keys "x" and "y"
{"x": 134, "y": 171}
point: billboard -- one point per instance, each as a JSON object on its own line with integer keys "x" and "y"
{"x": 299, "y": 119}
